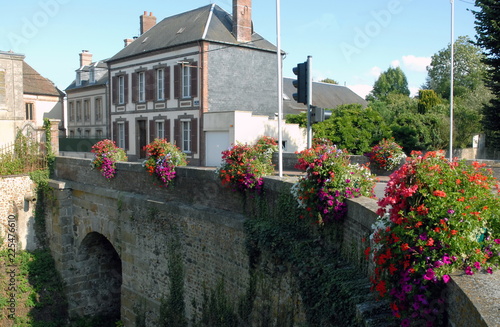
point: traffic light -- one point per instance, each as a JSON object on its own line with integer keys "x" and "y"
{"x": 300, "y": 83}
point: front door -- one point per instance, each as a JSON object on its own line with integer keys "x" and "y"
{"x": 141, "y": 138}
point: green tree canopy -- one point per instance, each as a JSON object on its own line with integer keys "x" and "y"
{"x": 393, "y": 80}
{"x": 468, "y": 69}
{"x": 329, "y": 81}
{"x": 488, "y": 30}
{"x": 353, "y": 128}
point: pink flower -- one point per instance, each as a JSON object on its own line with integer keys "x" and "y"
{"x": 446, "y": 278}
{"x": 468, "y": 271}
{"x": 489, "y": 270}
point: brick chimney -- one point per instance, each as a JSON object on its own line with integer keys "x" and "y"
{"x": 127, "y": 42}
{"x": 242, "y": 20}
{"x": 85, "y": 58}
{"x": 147, "y": 21}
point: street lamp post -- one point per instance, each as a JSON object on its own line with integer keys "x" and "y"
{"x": 451, "y": 76}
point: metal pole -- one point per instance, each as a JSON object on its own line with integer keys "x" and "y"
{"x": 451, "y": 76}
{"x": 309, "y": 101}
{"x": 280, "y": 90}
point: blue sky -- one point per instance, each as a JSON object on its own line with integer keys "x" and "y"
{"x": 351, "y": 41}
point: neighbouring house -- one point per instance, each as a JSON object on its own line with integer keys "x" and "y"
{"x": 87, "y": 98}
{"x": 26, "y": 98}
{"x": 324, "y": 95}
{"x": 42, "y": 99}
{"x": 202, "y": 79}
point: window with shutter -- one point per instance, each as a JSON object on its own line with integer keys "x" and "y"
{"x": 177, "y": 81}
{"x": 150, "y": 85}
{"x": 114, "y": 89}
{"x": 194, "y": 79}
{"x": 135, "y": 82}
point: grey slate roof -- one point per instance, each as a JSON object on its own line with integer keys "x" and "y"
{"x": 34, "y": 83}
{"x": 208, "y": 23}
{"x": 324, "y": 95}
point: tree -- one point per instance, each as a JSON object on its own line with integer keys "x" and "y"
{"x": 353, "y": 128}
{"x": 393, "y": 80}
{"x": 427, "y": 99}
{"x": 488, "y": 29}
{"x": 468, "y": 69}
{"x": 300, "y": 118}
{"x": 329, "y": 81}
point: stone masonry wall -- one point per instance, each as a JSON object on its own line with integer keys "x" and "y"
{"x": 17, "y": 199}
{"x": 140, "y": 220}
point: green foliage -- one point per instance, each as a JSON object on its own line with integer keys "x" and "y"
{"x": 329, "y": 288}
{"x": 488, "y": 29}
{"x": 300, "y": 119}
{"x": 329, "y": 81}
{"x": 172, "y": 309}
{"x": 217, "y": 308}
{"x": 353, "y": 128}
{"x": 51, "y": 158}
{"x": 392, "y": 81}
{"x": 38, "y": 287}
{"x": 468, "y": 69}
{"x": 427, "y": 100}
{"x": 421, "y": 132}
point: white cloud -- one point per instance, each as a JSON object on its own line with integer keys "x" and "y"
{"x": 414, "y": 91}
{"x": 416, "y": 64}
{"x": 395, "y": 63}
{"x": 361, "y": 89}
{"x": 375, "y": 71}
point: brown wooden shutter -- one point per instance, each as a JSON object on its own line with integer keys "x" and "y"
{"x": 177, "y": 133}
{"x": 177, "y": 81}
{"x": 194, "y": 135}
{"x": 167, "y": 130}
{"x": 135, "y": 89}
{"x": 114, "y": 89}
{"x": 152, "y": 131}
{"x": 126, "y": 135}
{"x": 125, "y": 82}
{"x": 150, "y": 84}
{"x": 167, "y": 82}
{"x": 194, "y": 80}
{"x": 115, "y": 132}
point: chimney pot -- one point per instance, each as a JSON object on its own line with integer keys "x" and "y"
{"x": 147, "y": 22}
{"x": 85, "y": 58}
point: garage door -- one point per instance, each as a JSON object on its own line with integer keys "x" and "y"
{"x": 216, "y": 142}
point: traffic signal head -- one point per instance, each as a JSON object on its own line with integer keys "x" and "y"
{"x": 300, "y": 83}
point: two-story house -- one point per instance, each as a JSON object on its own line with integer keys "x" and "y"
{"x": 26, "y": 98}
{"x": 201, "y": 79}
{"x": 88, "y": 98}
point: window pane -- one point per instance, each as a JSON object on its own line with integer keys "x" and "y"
{"x": 186, "y": 81}
{"x": 160, "y": 83}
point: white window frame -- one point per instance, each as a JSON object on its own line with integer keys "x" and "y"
{"x": 160, "y": 82}
{"x": 186, "y": 135}
{"x": 78, "y": 78}
{"x": 121, "y": 89}
{"x": 98, "y": 109}
{"x": 160, "y": 129}
{"x": 141, "y": 76}
{"x": 186, "y": 81}
{"x": 121, "y": 134}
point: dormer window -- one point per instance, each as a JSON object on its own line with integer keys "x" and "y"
{"x": 91, "y": 76}
{"x": 78, "y": 78}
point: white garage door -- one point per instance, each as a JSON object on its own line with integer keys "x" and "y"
{"x": 216, "y": 142}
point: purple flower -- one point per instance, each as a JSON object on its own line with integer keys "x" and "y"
{"x": 451, "y": 212}
{"x": 429, "y": 275}
{"x": 407, "y": 288}
{"x": 489, "y": 270}
{"x": 468, "y": 271}
{"x": 477, "y": 265}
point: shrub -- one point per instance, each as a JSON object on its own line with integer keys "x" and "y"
{"x": 162, "y": 159}
{"x": 437, "y": 216}
{"x": 106, "y": 154}
{"x": 330, "y": 179}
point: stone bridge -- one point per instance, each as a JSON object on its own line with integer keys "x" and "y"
{"x": 112, "y": 241}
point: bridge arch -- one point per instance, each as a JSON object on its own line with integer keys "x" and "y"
{"x": 97, "y": 276}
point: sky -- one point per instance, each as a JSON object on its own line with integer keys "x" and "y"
{"x": 350, "y": 41}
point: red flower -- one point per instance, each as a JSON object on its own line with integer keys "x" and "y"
{"x": 439, "y": 193}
